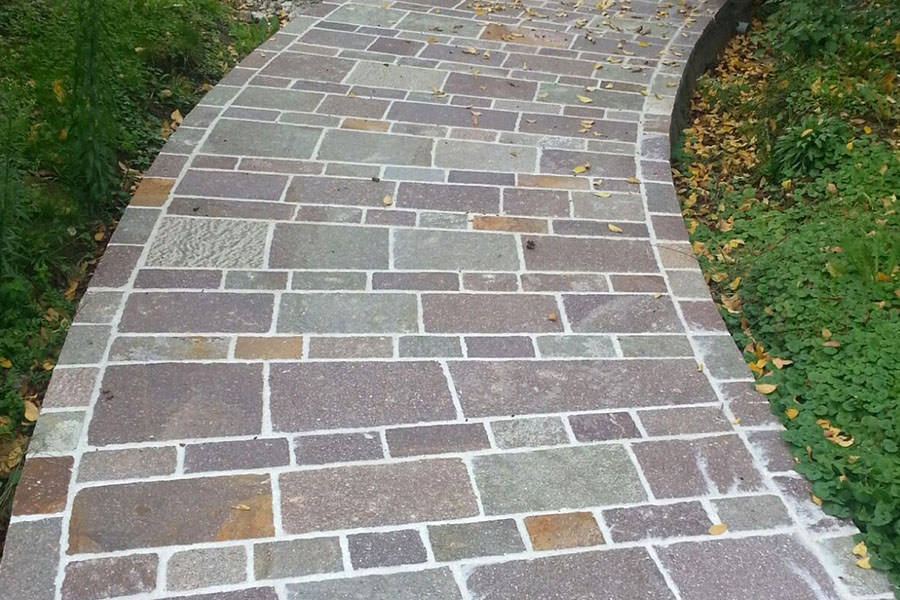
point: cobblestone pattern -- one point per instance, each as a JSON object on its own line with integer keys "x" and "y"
{"x": 406, "y": 310}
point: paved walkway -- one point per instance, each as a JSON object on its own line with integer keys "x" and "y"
{"x": 406, "y": 311}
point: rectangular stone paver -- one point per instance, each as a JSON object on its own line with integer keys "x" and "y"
{"x": 623, "y": 573}
{"x": 304, "y": 397}
{"x": 165, "y": 401}
{"x": 348, "y": 313}
{"x": 503, "y": 388}
{"x": 556, "y": 479}
{"x": 377, "y": 495}
{"x": 454, "y": 250}
{"x": 160, "y": 513}
{"x": 433, "y": 584}
{"x": 377, "y": 148}
{"x": 314, "y": 246}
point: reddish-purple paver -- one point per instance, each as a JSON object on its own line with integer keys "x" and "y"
{"x": 373, "y": 337}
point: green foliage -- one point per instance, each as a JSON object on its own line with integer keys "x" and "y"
{"x": 814, "y": 145}
{"x": 819, "y": 258}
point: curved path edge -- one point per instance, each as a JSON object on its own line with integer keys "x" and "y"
{"x": 406, "y": 309}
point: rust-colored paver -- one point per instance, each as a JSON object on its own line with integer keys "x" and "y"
{"x": 406, "y": 310}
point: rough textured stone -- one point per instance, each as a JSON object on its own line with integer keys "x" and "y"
{"x": 388, "y": 549}
{"x": 522, "y": 387}
{"x": 204, "y": 567}
{"x": 142, "y": 515}
{"x": 296, "y": 558}
{"x": 348, "y": 313}
{"x": 569, "y": 530}
{"x": 555, "y": 479}
{"x": 434, "y": 584}
{"x": 219, "y": 243}
{"x": 370, "y": 394}
{"x": 761, "y": 567}
{"x": 533, "y": 432}
{"x": 378, "y": 495}
{"x": 147, "y": 402}
{"x": 85, "y": 344}
{"x": 621, "y": 573}
{"x": 108, "y": 577}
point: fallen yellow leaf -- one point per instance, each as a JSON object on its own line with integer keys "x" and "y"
{"x": 31, "y": 411}
{"x": 388, "y": 200}
{"x": 5, "y": 363}
{"x": 584, "y": 99}
{"x": 863, "y": 563}
{"x": 791, "y": 413}
{"x": 633, "y": 180}
{"x": 766, "y": 388}
{"x": 581, "y": 169}
{"x": 860, "y": 549}
{"x": 614, "y": 228}
{"x": 718, "y": 529}
{"x": 602, "y": 194}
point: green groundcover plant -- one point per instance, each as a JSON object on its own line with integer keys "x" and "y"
{"x": 789, "y": 177}
{"x": 88, "y": 89}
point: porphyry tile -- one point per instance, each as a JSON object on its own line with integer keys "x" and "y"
{"x": 376, "y": 495}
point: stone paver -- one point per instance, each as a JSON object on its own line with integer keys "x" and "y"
{"x": 366, "y": 333}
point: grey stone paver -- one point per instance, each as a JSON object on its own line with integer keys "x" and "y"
{"x": 365, "y": 334}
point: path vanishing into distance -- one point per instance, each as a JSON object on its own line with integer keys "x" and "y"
{"x": 406, "y": 310}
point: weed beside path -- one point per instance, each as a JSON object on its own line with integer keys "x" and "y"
{"x": 89, "y": 92}
{"x": 788, "y": 177}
